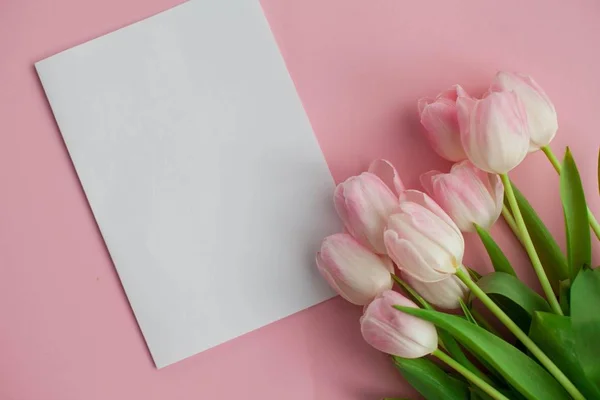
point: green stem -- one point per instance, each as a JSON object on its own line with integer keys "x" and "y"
{"x": 533, "y": 348}
{"x": 412, "y": 292}
{"x": 556, "y": 164}
{"x": 480, "y": 383}
{"x": 552, "y": 158}
{"x": 529, "y": 247}
{"x": 510, "y": 221}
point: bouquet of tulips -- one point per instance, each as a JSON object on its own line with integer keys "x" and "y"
{"x": 414, "y": 240}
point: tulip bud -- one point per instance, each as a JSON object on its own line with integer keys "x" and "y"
{"x": 352, "y": 270}
{"x": 494, "y": 131}
{"x": 439, "y": 117}
{"x": 541, "y": 115}
{"x": 422, "y": 239}
{"x": 468, "y": 194}
{"x": 363, "y": 203}
{"x": 445, "y": 294}
{"x": 395, "y": 332}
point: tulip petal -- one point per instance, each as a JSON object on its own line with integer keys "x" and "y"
{"x": 467, "y": 195}
{"x": 352, "y": 270}
{"x": 363, "y": 203}
{"x": 453, "y": 93}
{"x": 394, "y": 332}
{"x": 339, "y": 202}
{"x": 442, "y": 129}
{"x": 426, "y": 180}
{"x": 347, "y": 292}
{"x": 445, "y": 294}
{"x": 438, "y": 243}
{"x": 424, "y": 200}
{"x": 422, "y": 103}
{"x": 541, "y": 115}
{"x": 494, "y": 131}
{"x": 408, "y": 259}
{"x": 386, "y": 171}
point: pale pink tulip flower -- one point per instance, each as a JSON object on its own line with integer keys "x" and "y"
{"x": 353, "y": 271}
{"x": 467, "y": 194}
{"x": 541, "y": 114}
{"x": 445, "y": 294}
{"x": 422, "y": 239}
{"x": 439, "y": 117}
{"x": 363, "y": 203}
{"x": 394, "y": 332}
{"x": 494, "y": 131}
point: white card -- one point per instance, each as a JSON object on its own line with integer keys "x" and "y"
{"x": 201, "y": 168}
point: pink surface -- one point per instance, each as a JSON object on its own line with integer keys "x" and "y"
{"x": 66, "y": 330}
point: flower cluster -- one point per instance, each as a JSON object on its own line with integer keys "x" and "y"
{"x": 420, "y": 233}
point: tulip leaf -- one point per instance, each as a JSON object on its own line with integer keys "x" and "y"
{"x": 564, "y": 296}
{"x": 585, "y": 318}
{"x": 474, "y": 274}
{"x": 515, "y": 298}
{"x": 430, "y": 380}
{"x": 499, "y": 260}
{"x": 554, "y": 335}
{"x": 446, "y": 340}
{"x": 553, "y": 260}
{"x": 467, "y": 312}
{"x": 520, "y": 371}
{"x": 579, "y": 242}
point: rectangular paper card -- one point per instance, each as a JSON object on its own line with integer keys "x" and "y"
{"x": 201, "y": 169}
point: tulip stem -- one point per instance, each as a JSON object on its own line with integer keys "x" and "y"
{"x": 522, "y": 336}
{"x": 529, "y": 247}
{"x": 480, "y": 383}
{"x": 510, "y": 221}
{"x": 556, "y": 164}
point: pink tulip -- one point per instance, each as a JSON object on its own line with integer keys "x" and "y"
{"x": 363, "y": 203}
{"x": 494, "y": 131}
{"x": 541, "y": 115}
{"x": 422, "y": 239}
{"x": 394, "y": 332}
{"x": 468, "y": 194}
{"x": 445, "y": 294}
{"x": 352, "y": 270}
{"x": 439, "y": 117}
{"x": 386, "y": 171}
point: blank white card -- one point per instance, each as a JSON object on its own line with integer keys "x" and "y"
{"x": 201, "y": 168}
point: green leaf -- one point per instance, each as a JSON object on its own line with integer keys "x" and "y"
{"x": 579, "y": 242}
{"x": 499, "y": 260}
{"x": 564, "y": 296}
{"x": 467, "y": 312}
{"x": 585, "y": 298}
{"x": 554, "y": 335}
{"x": 430, "y": 380}
{"x": 474, "y": 274}
{"x": 520, "y": 371}
{"x": 553, "y": 260}
{"x": 446, "y": 340}
{"x": 515, "y": 298}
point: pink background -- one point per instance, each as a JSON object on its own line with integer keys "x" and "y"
{"x": 66, "y": 330}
